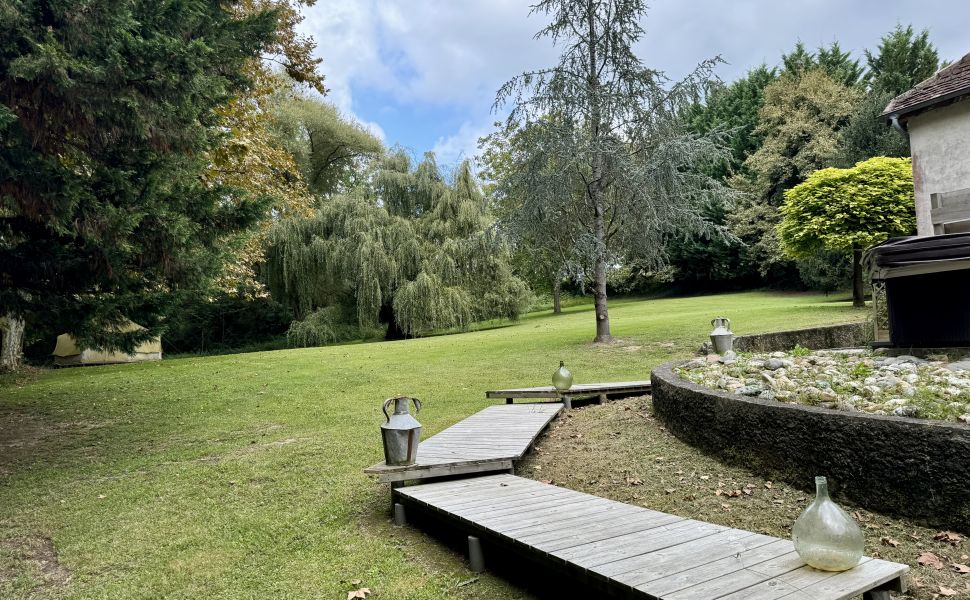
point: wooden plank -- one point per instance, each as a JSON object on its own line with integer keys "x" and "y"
{"x": 740, "y": 579}
{"x": 579, "y": 390}
{"x": 577, "y": 536}
{"x": 654, "y": 554}
{"x": 486, "y": 441}
{"x": 607, "y": 551}
{"x": 447, "y": 470}
{"x": 639, "y": 570}
{"x": 664, "y": 586}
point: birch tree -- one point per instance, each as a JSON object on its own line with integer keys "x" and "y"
{"x": 618, "y": 130}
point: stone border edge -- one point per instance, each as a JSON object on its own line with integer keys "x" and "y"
{"x": 897, "y": 465}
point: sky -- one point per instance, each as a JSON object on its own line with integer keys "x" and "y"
{"x": 422, "y": 74}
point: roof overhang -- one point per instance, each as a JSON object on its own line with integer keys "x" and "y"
{"x": 903, "y": 114}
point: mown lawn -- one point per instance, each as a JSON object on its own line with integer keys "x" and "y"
{"x": 240, "y": 476}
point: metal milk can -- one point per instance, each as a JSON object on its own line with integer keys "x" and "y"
{"x": 721, "y": 337}
{"x": 401, "y": 433}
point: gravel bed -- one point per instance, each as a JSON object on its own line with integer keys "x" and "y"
{"x": 849, "y": 380}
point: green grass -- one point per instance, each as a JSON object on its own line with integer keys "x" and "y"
{"x": 240, "y": 476}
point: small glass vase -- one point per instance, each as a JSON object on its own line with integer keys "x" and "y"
{"x": 562, "y": 379}
{"x": 825, "y": 536}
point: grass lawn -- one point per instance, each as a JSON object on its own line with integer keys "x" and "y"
{"x": 240, "y": 476}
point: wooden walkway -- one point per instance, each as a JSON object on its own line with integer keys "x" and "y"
{"x": 639, "y": 552}
{"x": 489, "y": 440}
{"x": 600, "y": 391}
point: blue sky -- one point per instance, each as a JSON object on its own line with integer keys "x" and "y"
{"x": 423, "y": 73}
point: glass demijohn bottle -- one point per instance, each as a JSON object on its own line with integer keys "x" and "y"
{"x": 825, "y": 536}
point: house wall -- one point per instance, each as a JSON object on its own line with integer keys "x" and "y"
{"x": 940, "y": 143}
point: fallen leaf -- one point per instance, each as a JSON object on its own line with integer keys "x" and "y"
{"x": 888, "y": 541}
{"x": 355, "y": 582}
{"x": 945, "y": 591}
{"x": 929, "y": 559}
{"x": 361, "y": 593}
{"x": 949, "y": 537}
{"x": 960, "y": 568}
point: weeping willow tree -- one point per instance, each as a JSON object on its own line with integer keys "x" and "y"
{"x": 409, "y": 250}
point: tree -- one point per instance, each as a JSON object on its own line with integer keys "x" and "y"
{"x": 542, "y": 234}
{"x": 615, "y": 127}
{"x": 734, "y": 109}
{"x": 106, "y": 115}
{"x": 801, "y": 122}
{"x": 849, "y": 210}
{"x": 902, "y": 60}
{"x": 329, "y": 148}
{"x": 831, "y": 60}
{"x": 407, "y": 250}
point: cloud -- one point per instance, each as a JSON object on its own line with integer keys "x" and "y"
{"x": 437, "y": 57}
{"x": 463, "y": 144}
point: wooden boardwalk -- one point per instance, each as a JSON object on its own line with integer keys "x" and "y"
{"x": 600, "y": 391}
{"x": 489, "y": 440}
{"x": 639, "y": 552}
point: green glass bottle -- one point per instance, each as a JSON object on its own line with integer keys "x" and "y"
{"x": 562, "y": 379}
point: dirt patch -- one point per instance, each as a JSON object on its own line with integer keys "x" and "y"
{"x": 620, "y": 451}
{"x": 19, "y": 430}
{"x": 37, "y": 556}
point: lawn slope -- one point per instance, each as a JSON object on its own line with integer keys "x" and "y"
{"x": 240, "y": 476}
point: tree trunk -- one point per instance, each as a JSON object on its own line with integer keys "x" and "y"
{"x": 599, "y": 277}
{"x": 12, "y": 343}
{"x": 557, "y": 295}
{"x": 858, "y": 287}
{"x": 595, "y": 186}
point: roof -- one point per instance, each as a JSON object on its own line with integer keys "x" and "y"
{"x": 950, "y": 83}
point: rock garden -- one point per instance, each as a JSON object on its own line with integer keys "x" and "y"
{"x": 849, "y": 380}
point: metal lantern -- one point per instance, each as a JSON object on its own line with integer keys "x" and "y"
{"x": 401, "y": 433}
{"x": 721, "y": 337}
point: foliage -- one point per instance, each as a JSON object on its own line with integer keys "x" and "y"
{"x": 409, "y": 250}
{"x": 329, "y": 148}
{"x": 825, "y": 271}
{"x": 612, "y": 128}
{"x": 849, "y": 210}
{"x": 867, "y": 135}
{"x": 800, "y": 122}
{"x": 542, "y": 233}
{"x": 902, "y": 60}
{"x": 107, "y": 114}
{"x": 734, "y": 109}
{"x": 221, "y": 321}
{"x": 831, "y": 60}
{"x": 844, "y": 209}
{"x": 250, "y": 158}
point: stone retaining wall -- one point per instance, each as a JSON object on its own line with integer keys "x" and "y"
{"x": 833, "y": 336}
{"x": 910, "y": 467}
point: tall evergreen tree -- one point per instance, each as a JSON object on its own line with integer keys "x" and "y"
{"x": 618, "y": 131}
{"x": 105, "y": 116}
{"x": 838, "y": 65}
{"x": 903, "y": 59}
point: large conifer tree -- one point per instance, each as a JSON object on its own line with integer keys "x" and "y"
{"x": 617, "y": 131}
{"x": 106, "y": 112}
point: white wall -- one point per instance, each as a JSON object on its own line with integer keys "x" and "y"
{"x": 940, "y": 143}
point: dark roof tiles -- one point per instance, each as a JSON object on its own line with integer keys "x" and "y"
{"x": 945, "y": 84}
